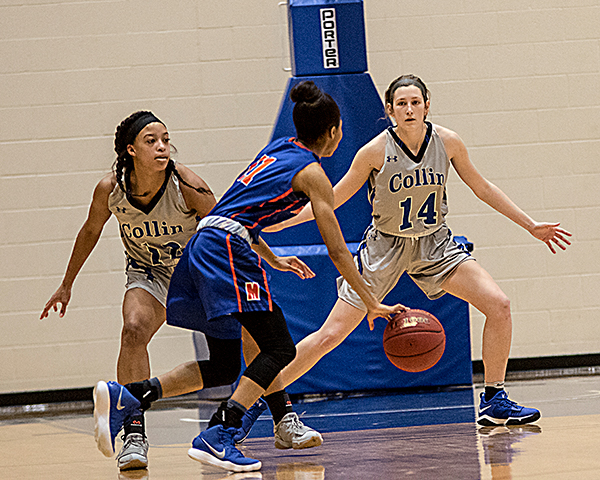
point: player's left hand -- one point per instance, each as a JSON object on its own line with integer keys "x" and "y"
{"x": 293, "y": 264}
{"x": 551, "y": 234}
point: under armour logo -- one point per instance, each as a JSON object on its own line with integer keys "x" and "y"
{"x": 121, "y": 209}
{"x": 389, "y": 158}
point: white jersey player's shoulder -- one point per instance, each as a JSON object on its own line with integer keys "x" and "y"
{"x": 104, "y": 189}
{"x": 373, "y": 152}
{"x": 108, "y": 182}
{"x": 377, "y": 144}
{"x": 452, "y": 142}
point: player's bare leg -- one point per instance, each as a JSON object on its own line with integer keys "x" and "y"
{"x": 474, "y": 285}
{"x": 143, "y": 315}
{"x": 185, "y": 378}
{"x": 340, "y": 323}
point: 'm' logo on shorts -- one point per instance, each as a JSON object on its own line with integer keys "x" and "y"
{"x": 252, "y": 291}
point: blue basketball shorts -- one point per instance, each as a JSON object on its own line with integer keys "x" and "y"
{"x": 217, "y": 275}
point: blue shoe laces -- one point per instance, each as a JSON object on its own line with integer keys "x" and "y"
{"x": 503, "y": 400}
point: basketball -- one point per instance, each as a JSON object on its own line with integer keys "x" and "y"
{"x": 414, "y": 340}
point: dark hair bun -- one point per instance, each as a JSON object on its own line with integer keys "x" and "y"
{"x": 305, "y": 92}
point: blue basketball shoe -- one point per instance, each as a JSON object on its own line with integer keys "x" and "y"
{"x": 248, "y": 420}
{"x": 215, "y": 446}
{"x": 112, "y": 405}
{"x": 502, "y": 411}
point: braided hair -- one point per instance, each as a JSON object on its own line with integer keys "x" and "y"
{"x": 125, "y": 135}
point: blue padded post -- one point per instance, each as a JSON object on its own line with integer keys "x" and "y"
{"x": 363, "y": 118}
{"x": 327, "y": 37}
{"x": 359, "y": 363}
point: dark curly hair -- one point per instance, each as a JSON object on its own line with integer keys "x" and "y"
{"x": 123, "y": 164}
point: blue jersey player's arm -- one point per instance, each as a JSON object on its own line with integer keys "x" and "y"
{"x": 313, "y": 181}
{"x": 285, "y": 264}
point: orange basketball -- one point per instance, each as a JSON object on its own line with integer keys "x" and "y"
{"x": 414, "y": 340}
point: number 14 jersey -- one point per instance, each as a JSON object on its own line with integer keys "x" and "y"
{"x": 408, "y": 194}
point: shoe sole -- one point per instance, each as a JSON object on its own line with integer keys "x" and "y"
{"x": 101, "y": 419}
{"x": 134, "y": 464}
{"x": 313, "y": 441}
{"x": 208, "y": 459}
{"x": 496, "y": 422}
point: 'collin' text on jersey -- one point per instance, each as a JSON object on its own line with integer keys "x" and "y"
{"x": 418, "y": 178}
{"x": 150, "y": 229}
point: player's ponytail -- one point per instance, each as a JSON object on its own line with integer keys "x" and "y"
{"x": 172, "y": 168}
{"x": 315, "y": 112}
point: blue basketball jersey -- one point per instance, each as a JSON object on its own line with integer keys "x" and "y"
{"x": 219, "y": 274}
{"x": 262, "y": 195}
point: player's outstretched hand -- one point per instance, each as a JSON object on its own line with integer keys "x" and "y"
{"x": 62, "y": 296}
{"x": 551, "y": 234}
{"x": 293, "y": 264}
{"x": 384, "y": 311}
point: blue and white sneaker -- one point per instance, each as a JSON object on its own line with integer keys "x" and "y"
{"x": 248, "y": 420}
{"x": 502, "y": 411}
{"x": 215, "y": 446}
{"x": 112, "y": 405}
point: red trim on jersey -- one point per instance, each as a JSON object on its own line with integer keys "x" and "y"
{"x": 237, "y": 292}
{"x": 283, "y": 195}
{"x": 266, "y": 285}
{"x": 296, "y": 142}
{"x": 291, "y": 205}
{"x": 255, "y": 168}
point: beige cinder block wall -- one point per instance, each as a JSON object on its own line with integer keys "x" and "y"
{"x": 519, "y": 81}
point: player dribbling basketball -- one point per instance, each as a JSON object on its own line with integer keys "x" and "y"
{"x": 220, "y": 285}
{"x": 407, "y": 167}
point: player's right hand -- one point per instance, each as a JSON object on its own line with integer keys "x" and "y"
{"x": 384, "y": 311}
{"x": 62, "y": 296}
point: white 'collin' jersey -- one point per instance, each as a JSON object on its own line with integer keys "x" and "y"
{"x": 408, "y": 194}
{"x": 157, "y": 235}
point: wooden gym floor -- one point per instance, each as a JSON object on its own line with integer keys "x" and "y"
{"x": 364, "y": 438}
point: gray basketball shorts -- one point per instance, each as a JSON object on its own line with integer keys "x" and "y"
{"x": 155, "y": 280}
{"x": 382, "y": 259}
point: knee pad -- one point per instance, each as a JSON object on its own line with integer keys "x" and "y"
{"x": 266, "y": 366}
{"x": 286, "y": 354}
